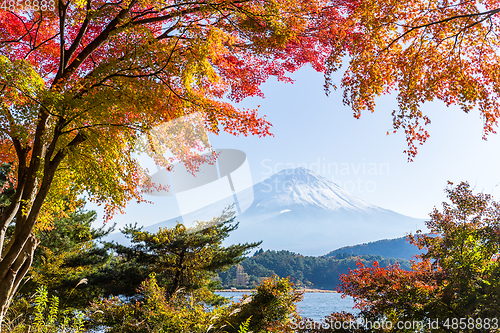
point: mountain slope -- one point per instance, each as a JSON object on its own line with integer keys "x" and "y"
{"x": 389, "y": 248}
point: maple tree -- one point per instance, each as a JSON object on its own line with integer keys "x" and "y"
{"x": 457, "y": 277}
{"x": 422, "y": 51}
{"x": 87, "y": 84}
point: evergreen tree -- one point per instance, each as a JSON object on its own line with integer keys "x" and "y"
{"x": 69, "y": 261}
{"x": 184, "y": 259}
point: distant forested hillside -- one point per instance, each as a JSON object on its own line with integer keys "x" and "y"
{"x": 389, "y": 248}
{"x": 304, "y": 271}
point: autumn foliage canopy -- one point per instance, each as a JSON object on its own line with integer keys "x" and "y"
{"x": 457, "y": 276}
{"x": 423, "y": 51}
{"x": 86, "y": 84}
{"x": 103, "y": 73}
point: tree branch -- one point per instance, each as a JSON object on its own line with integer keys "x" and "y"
{"x": 451, "y": 18}
{"x": 78, "y": 39}
{"x": 62, "y": 21}
{"x": 94, "y": 45}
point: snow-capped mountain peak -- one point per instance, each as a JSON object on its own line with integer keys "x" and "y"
{"x": 301, "y": 187}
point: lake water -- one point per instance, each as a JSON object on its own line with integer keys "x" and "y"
{"x": 315, "y": 305}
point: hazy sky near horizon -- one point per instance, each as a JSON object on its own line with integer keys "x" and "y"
{"x": 318, "y": 132}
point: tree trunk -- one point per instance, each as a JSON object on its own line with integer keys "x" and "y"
{"x": 178, "y": 274}
{"x": 24, "y": 209}
{"x": 16, "y": 272}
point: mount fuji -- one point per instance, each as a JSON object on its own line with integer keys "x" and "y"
{"x": 300, "y": 211}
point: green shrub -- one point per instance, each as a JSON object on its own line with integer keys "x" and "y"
{"x": 42, "y": 316}
{"x": 155, "y": 313}
{"x": 268, "y": 309}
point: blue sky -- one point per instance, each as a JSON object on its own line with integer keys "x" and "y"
{"x": 319, "y": 132}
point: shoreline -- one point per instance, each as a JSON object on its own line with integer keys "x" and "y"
{"x": 306, "y": 290}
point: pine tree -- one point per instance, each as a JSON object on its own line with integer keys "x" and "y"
{"x": 184, "y": 259}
